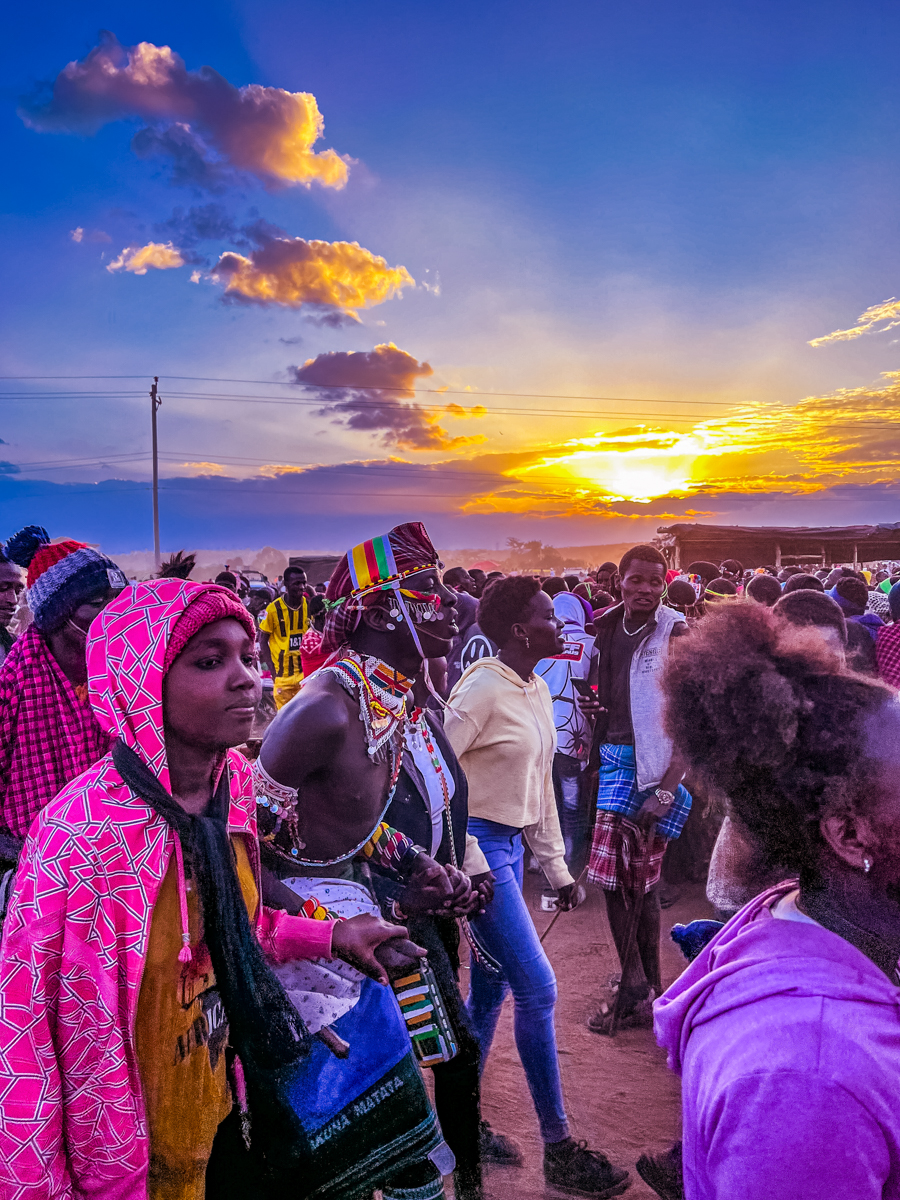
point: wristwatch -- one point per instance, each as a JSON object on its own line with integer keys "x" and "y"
{"x": 666, "y": 799}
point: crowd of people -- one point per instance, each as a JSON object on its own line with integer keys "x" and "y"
{"x": 250, "y": 832}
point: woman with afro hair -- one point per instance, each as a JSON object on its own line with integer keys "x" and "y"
{"x": 786, "y": 1028}
{"x": 502, "y": 728}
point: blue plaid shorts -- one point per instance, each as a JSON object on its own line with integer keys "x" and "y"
{"x": 617, "y": 791}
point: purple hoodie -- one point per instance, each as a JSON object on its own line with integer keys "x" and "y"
{"x": 787, "y": 1039}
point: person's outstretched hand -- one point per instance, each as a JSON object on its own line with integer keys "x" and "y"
{"x": 357, "y": 939}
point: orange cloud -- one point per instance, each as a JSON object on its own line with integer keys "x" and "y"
{"x": 137, "y": 259}
{"x": 196, "y": 117}
{"x": 369, "y": 389}
{"x": 865, "y": 323}
{"x": 293, "y": 272}
{"x": 847, "y": 438}
{"x": 205, "y": 468}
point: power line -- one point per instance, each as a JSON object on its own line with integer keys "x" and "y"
{"x": 230, "y": 485}
{"x": 354, "y": 387}
{"x": 94, "y": 461}
{"x": 388, "y": 406}
{"x": 363, "y": 471}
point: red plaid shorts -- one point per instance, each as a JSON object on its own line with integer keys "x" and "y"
{"x": 615, "y": 861}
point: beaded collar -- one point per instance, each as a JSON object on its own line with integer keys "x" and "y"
{"x": 381, "y": 691}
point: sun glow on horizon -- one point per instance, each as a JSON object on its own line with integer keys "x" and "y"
{"x": 638, "y": 464}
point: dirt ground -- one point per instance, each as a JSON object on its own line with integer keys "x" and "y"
{"x": 620, "y": 1095}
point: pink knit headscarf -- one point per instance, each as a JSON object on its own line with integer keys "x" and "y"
{"x": 213, "y": 605}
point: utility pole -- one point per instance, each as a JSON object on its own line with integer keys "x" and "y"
{"x": 155, "y": 402}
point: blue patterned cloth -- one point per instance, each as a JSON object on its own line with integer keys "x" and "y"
{"x": 617, "y": 791}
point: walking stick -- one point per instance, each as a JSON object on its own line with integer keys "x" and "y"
{"x": 560, "y": 911}
{"x": 631, "y": 929}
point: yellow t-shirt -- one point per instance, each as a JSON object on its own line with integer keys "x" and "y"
{"x": 285, "y": 627}
{"x": 180, "y": 1036}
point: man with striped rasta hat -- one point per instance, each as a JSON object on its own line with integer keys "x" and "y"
{"x": 331, "y": 760}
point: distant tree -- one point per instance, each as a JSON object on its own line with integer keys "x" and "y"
{"x": 532, "y": 556}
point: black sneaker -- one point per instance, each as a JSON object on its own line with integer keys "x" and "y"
{"x": 662, "y": 1173}
{"x": 498, "y": 1149}
{"x": 570, "y": 1167}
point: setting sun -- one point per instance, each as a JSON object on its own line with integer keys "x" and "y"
{"x": 632, "y": 464}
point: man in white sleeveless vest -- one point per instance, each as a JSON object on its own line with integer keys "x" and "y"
{"x": 634, "y": 777}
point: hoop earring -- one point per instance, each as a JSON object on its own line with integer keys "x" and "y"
{"x": 867, "y": 865}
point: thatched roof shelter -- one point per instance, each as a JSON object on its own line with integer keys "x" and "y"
{"x": 779, "y": 545}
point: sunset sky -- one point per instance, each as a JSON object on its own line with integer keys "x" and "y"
{"x": 562, "y": 271}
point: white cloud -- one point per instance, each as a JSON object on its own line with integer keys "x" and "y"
{"x": 137, "y": 259}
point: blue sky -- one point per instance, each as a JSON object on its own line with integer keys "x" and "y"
{"x": 658, "y": 203}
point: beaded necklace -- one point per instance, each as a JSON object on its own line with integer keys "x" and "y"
{"x": 417, "y": 718}
{"x": 283, "y": 834}
{"x": 381, "y": 691}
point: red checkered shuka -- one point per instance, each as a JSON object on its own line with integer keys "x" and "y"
{"x": 887, "y": 654}
{"x": 48, "y": 736}
{"x": 615, "y": 864}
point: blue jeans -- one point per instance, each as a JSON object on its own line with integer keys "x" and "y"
{"x": 574, "y": 816}
{"x": 508, "y": 934}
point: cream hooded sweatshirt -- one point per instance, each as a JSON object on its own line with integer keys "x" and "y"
{"x": 502, "y": 729}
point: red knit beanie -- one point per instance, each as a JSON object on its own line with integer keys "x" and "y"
{"x": 212, "y": 605}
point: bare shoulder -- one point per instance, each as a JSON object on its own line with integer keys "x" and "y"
{"x": 311, "y": 728}
{"x": 322, "y": 707}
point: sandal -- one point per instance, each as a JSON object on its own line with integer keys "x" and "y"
{"x": 639, "y": 1017}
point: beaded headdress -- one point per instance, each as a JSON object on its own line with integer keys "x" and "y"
{"x": 372, "y": 568}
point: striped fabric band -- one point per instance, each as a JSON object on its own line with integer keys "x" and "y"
{"x": 387, "y": 846}
{"x": 372, "y": 563}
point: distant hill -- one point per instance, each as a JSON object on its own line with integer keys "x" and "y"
{"x": 272, "y": 561}
{"x": 582, "y": 556}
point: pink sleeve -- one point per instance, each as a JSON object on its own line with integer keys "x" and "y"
{"x": 32, "y": 1116}
{"x": 284, "y": 937}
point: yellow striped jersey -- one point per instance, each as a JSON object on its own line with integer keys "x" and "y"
{"x": 285, "y": 627}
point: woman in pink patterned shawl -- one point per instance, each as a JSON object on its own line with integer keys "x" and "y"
{"x": 132, "y": 952}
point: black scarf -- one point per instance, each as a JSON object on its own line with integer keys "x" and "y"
{"x": 265, "y": 1030}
